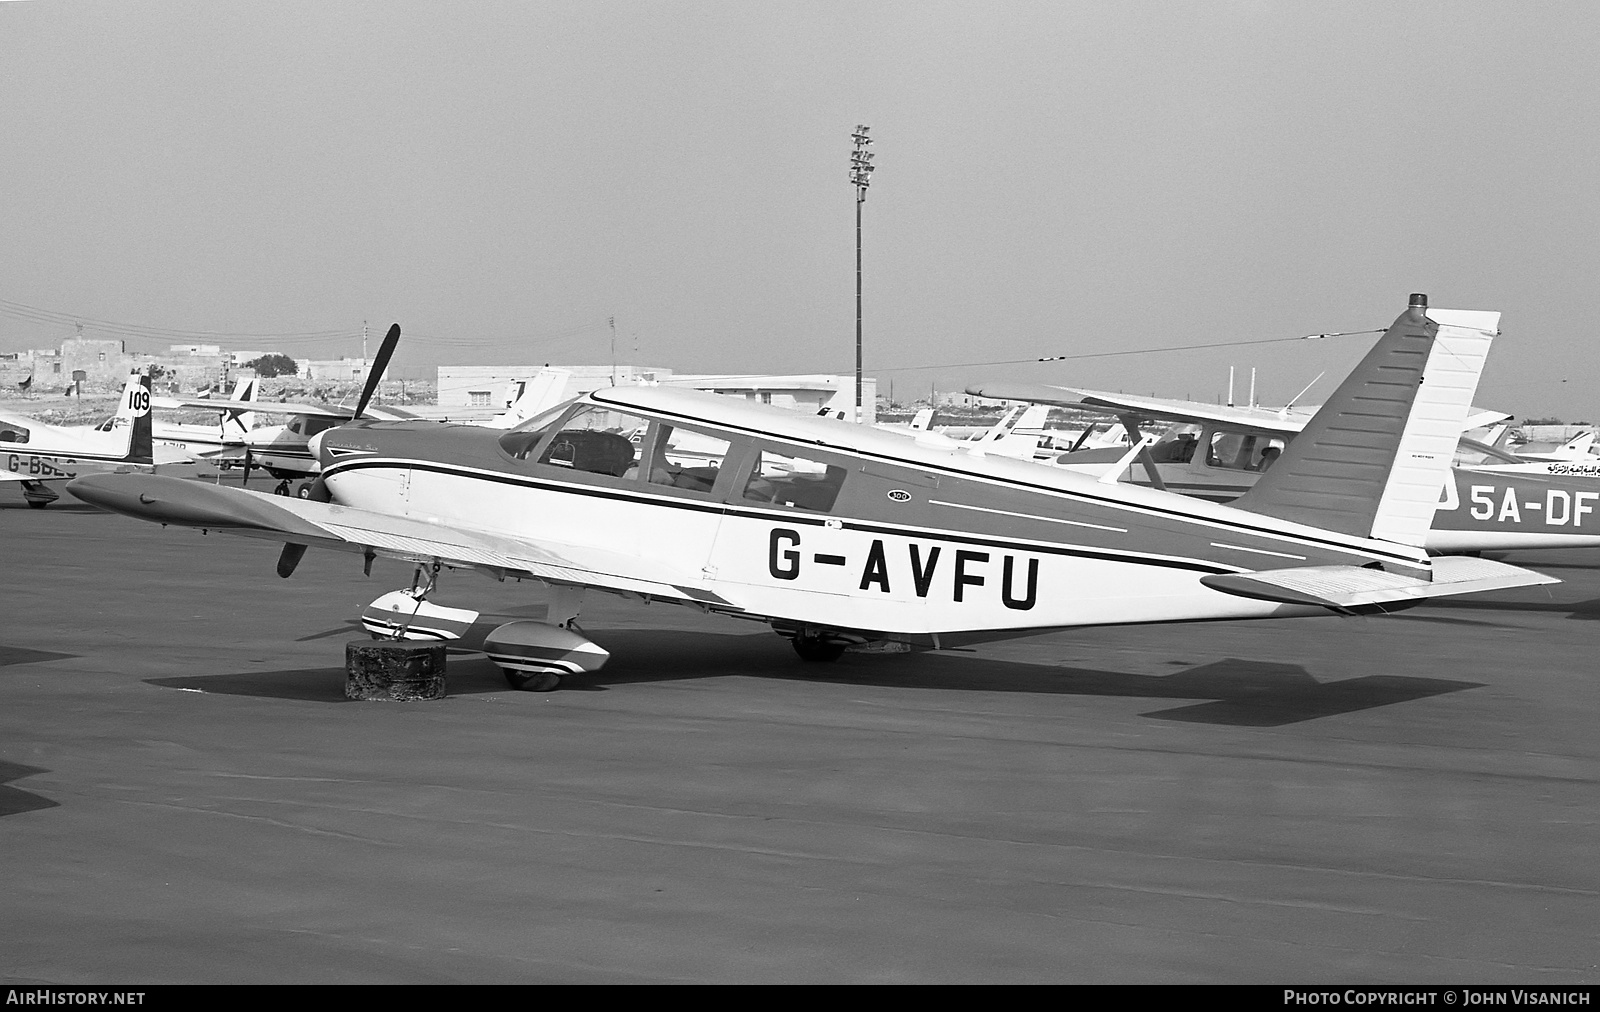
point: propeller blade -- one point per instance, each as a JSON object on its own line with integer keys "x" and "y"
{"x": 292, "y": 554}
{"x": 379, "y": 364}
{"x": 247, "y": 462}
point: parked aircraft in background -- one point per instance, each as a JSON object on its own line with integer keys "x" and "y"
{"x": 1494, "y": 500}
{"x": 227, "y": 439}
{"x": 1578, "y": 448}
{"x": 838, "y": 534}
{"x": 283, "y": 451}
{"x": 36, "y": 456}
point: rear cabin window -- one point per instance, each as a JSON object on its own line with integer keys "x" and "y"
{"x": 1243, "y": 451}
{"x": 13, "y": 433}
{"x": 800, "y": 482}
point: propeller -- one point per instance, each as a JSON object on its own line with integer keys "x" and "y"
{"x": 379, "y": 364}
{"x": 292, "y": 553}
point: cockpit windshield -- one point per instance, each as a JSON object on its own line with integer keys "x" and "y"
{"x": 1471, "y": 453}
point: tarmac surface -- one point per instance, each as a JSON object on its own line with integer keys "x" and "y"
{"x": 186, "y": 796}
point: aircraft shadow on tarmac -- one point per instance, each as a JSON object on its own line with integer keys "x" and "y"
{"x": 23, "y": 655}
{"x": 1581, "y": 610}
{"x": 1234, "y": 692}
{"x": 57, "y": 507}
{"x": 14, "y": 800}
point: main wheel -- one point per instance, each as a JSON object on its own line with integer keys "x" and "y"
{"x": 282, "y": 488}
{"x": 38, "y": 504}
{"x": 815, "y": 649}
{"x": 531, "y": 681}
{"x": 304, "y": 491}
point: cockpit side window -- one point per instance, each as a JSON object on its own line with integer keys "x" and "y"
{"x": 10, "y": 432}
{"x": 686, "y": 459}
{"x": 800, "y": 482}
{"x": 1176, "y": 445}
{"x": 595, "y": 439}
{"x": 1243, "y": 451}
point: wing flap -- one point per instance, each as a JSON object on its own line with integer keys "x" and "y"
{"x": 1355, "y": 586}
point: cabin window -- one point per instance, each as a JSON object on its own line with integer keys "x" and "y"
{"x": 596, "y": 439}
{"x": 10, "y": 433}
{"x": 478, "y": 398}
{"x": 800, "y": 482}
{"x": 1243, "y": 451}
{"x": 683, "y": 458}
{"x": 1176, "y": 445}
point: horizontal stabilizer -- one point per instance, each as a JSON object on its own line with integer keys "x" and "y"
{"x": 1356, "y": 586}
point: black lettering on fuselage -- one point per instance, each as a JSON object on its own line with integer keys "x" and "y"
{"x": 1010, "y": 599}
{"x": 877, "y": 569}
{"x": 963, "y": 578}
{"x": 920, "y": 576}
{"x": 790, "y": 559}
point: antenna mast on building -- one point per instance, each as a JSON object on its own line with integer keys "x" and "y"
{"x": 612, "y": 321}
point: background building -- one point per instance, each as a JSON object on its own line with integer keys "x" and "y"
{"x": 494, "y": 386}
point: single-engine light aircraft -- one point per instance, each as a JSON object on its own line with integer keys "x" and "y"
{"x": 839, "y": 534}
{"x": 222, "y": 443}
{"x": 39, "y": 455}
{"x": 284, "y": 450}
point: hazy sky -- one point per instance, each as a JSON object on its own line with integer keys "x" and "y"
{"x": 1054, "y": 178}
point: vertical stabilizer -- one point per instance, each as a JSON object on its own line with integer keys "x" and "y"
{"x": 1373, "y": 461}
{"x": 133, "y": 412}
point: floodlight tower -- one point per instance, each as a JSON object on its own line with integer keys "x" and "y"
{"x": 860, "y": 174}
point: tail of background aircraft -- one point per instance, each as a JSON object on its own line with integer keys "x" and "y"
{"x": 237, "y": 424}
{"x": 1374, "y": 459}
{"x": 133, "y": 415}
{"x": 539, "y": 394}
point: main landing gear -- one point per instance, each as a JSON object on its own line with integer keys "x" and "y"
{"x": 535, "y": 656}
{"x": 38, "y": 494}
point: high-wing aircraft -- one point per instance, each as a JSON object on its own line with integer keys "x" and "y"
{"x": 37, "y": 455}
{"x": 1494, "y": 500}
{"x": 283, "y": 450}
{"x": 839, "y": 534}
{"x": 221, "y": 442}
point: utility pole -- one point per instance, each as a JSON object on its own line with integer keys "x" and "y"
{"x": 860, "y": 174}
{"x": 612, "y": 320}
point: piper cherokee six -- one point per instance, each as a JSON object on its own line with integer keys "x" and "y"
{"x": 837, "y": 534}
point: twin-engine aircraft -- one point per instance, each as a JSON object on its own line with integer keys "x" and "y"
{"x": 1494, "y": 500}
{"x": 839, "y": 534}
{"x": 38, "y": 455}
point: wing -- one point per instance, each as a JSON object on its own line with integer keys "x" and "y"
{"x": 1287, "y": 421}
{"x": 326, "y": 525}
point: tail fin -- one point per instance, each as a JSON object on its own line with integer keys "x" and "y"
{"x": 133, "y": 411}
{"x": 1373, "y": 461}
{"x": 239, "y": 423}
{"x": 539, "y": 394}
{"x": 923, "y": 420}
